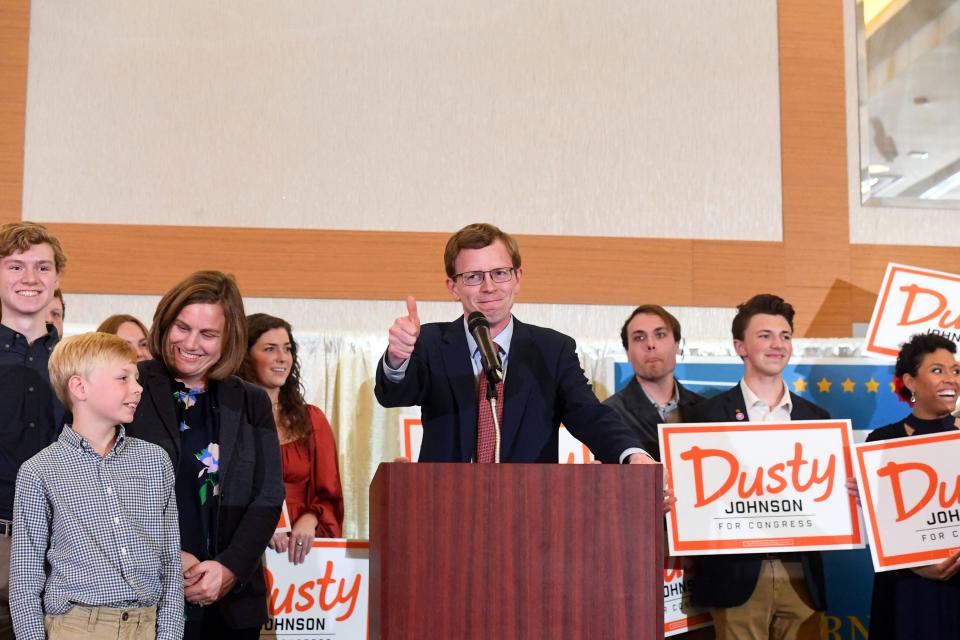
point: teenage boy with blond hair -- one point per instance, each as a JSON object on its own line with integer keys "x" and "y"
{"x": 31, "y": 262}
{"x": 96, "y": 546}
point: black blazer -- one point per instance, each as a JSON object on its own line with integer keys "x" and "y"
{"x": 728, "y": 580}
{"x": 636, "y": 410}
{"x": 251, "y": 480}
{"x": 544, "y": 386}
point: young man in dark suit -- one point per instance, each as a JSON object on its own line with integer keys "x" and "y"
{"x": 438, "y": 366}
{"x": 31, "y": 261}
{"x": 651, "y": 338}
{"x": 779, "y": 595}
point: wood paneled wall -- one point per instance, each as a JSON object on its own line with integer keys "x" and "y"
{"x": 831, "y": 282}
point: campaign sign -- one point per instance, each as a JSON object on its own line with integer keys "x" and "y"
{"x": 679, "y": 615}
{"x": 910, "y": 490}
{"x": 745, "y": 487}
{"x": 913, "y": 300}
{"x": 325, "y": 597}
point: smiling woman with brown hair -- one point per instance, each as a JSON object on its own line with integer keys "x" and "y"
{"x": 219, "y": 432}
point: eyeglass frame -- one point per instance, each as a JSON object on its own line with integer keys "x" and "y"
{"x": 483, "y": 276}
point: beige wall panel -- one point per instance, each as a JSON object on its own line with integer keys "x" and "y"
{"x": 612, "y": 117}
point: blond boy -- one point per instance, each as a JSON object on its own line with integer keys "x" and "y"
{"x": 96, "y": 543}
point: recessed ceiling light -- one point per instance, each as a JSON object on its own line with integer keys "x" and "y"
{"x": 874, "y": 169}
{"x": 919, "y": 155}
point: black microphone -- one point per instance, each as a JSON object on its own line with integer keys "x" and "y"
{"x": 489, "y": 354}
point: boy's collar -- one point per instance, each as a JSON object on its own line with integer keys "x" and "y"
{"x": 74, "y": 440}
{"x": 11, "y": 334}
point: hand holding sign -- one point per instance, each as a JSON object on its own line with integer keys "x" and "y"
{"x": 403, "y": 335}
{"x": 942, "y": 571}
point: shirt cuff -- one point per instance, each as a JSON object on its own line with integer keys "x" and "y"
{"x": 395, "y": 375}
{"x": 632, "y": 450}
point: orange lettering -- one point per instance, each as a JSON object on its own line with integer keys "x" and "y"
{"x": 306, "y": 603}
{"x": 326, "y": 581}
{"x": 755, "y": 487}
{"x": 287, "y": 605}
{"x": 672, "y": 570}
{"x": 893, "y": 471}
{"x": 307, "y": 599}
{"x": 775, "y": 473}
{"x": 946, "y": 502}
{"x": 912, "y": 291}
{"x": 696, "y": 455}
{"x": 827, "y": 475}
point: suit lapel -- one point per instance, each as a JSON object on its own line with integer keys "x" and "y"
{"x": 161, "y": 394}
{"x": 639, "y": 404}
{"x": 228, "y": 403}
{"x": 798, "y": 410}
{"x": 735, "y": 406}
{"x": 516, "y": 386}
{"x": 456, "y": 360}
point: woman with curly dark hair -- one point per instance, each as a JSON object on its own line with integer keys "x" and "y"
{"x": 922, "y": 602}
{"x": 310, "y": 470}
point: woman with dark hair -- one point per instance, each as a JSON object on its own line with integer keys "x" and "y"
{"x": 310, "y": 470}
{"x": 131, "y": 330}
{"x": 922, "y": 602}
{"x": 219, "y": 433}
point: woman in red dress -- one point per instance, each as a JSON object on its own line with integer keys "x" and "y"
{"x": 311, "y": 474}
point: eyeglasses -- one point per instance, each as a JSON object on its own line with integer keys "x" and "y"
{"x": 474, "y": 278}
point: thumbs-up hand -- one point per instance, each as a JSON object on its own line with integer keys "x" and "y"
{"x": 403, "y": 335}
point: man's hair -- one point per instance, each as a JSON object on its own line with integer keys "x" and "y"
{"x": 58, "y": 294}
{"x": 203, "y": 287}
{"x": 20, "y": 236}
{"x": 82, "y": 355}
{"x": 654, "y": 310}
{"x": 477, "y": 236}
{"x": 912, "y": 353}
{"x": 112, "y": 323}
{"x": 763, "y": 303}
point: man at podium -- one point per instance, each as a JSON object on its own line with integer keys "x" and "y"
{"x": 453, "y": 369}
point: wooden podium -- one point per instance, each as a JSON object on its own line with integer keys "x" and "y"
{"x": 516, "y": 551}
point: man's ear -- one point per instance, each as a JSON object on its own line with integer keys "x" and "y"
{"x": 739, "y": 348}
{"x": 452, "y": 288}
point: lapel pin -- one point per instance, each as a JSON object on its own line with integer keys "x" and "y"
{"x": 739, "y": 415}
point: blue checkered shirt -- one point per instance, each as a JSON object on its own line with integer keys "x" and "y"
{"x": 99, "y": 532}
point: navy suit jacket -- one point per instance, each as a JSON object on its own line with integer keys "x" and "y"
{"x": 633, "y": 405}
{"x": 544, "y": 386}
{"x": 728, "y": 580}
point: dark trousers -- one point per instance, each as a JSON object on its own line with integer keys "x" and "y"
{"x": 214, "y": 628}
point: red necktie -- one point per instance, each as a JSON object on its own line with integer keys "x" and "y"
{"x": 486, "y": 436}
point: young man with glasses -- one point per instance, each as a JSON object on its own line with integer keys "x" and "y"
{"x": 438, "y": 366}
